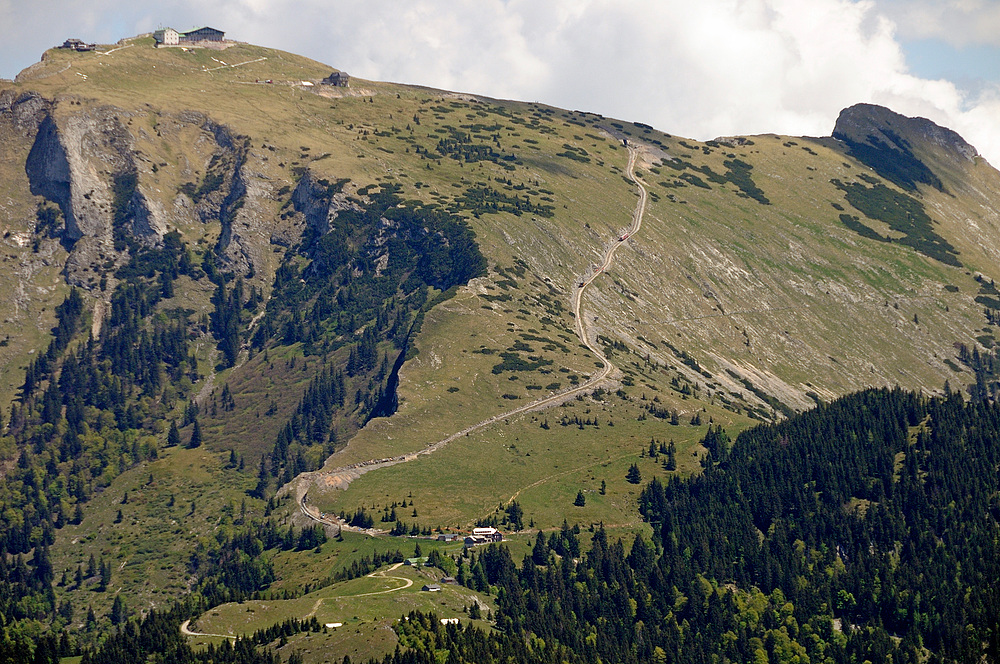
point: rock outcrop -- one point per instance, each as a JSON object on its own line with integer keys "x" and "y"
{"x": 870, "y": 123}
{"x": 897, "y": 147}
{"x": 319, "y": 201}
{"x": 90, "y": 164}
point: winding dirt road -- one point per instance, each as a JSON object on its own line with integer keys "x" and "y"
{"x": 380, "y": 574}
{"x": 344, "y": 475}
{"x": 186, "y": 631}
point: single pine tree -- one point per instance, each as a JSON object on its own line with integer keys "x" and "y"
{"x": 195, "y": 440}
{"x": 633, "y": 476}
{"x": 173, "y": 436}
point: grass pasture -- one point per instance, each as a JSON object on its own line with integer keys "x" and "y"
{"x": 541, "y": 468}
{"x": 367, "y": 607}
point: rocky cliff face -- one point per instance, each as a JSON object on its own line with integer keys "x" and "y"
{"x": 319, "y": 201}
{"x": 99, "y": 173}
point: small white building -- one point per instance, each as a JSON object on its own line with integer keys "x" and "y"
{"x": 167, "y": 37}
{"x": 487, "y": 534}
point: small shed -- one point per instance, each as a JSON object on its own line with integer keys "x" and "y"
{"x": 431, "y": 588}
{"x": 339, "y": 79}
{"x": 448, "y": 579}
{"x": 415, "y": 562}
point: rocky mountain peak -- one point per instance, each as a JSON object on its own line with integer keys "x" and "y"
{"x": 894, "y": 145}
{"x": 870, "y": 122}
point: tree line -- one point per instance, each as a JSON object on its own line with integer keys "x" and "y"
{"x": 862, "y": 530}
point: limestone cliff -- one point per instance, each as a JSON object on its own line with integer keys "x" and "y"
{"x": 99, "y": 171}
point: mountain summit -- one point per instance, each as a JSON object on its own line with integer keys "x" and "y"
{"x": 890, "y": 143}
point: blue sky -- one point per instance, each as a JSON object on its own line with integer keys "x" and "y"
{"x": 701, "y": 70}
{"x": 971, "y": 67}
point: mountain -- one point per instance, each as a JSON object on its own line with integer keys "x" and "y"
{"x": 236, "y": 290}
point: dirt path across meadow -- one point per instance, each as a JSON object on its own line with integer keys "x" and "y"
{"x": 343, "y": 476}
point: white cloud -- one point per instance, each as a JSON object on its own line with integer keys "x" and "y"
{"x": 958, "y": 22}
{"x": 701, "y": 70}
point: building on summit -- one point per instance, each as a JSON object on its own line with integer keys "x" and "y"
{"x": 171, "y": 37}
{"x": 78, "y": 45}
{"x": 203, "y": 34}
{"x": 167, "y": 37}
{"x": 338, "y": 79}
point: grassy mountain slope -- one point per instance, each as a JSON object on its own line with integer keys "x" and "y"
{"x": 770, "y": 272}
